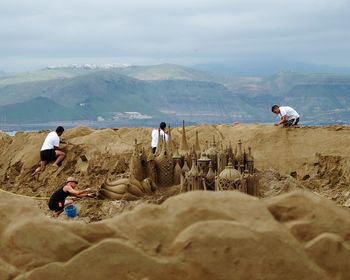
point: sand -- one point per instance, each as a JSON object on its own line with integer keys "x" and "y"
{"x": 298, "y": 229}
{"x": 318, "y": 155}
{"x": 197, "y": 235}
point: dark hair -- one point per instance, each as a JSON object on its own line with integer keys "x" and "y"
{"x": 162, "y": 125}
{"x": 274, "y": 107}
{"x": 59, "y": 129}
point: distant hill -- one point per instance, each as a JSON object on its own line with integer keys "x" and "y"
{"x": 105, "y": 93}
{"x": 151, "y": 72}
{"x": 39, "y": 109}
{"x": 165, "y": 72}
{"x": 171, "y": 92}
{"x": 265, "y": 68}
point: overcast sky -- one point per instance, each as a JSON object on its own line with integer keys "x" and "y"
{"x": 37, "y": 33}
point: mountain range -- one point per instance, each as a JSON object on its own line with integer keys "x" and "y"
{"x": 169, "y": 92}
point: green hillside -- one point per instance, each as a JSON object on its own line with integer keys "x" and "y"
{"x": 172, "y": 92}
{"x": 39, "y": 109}
{"x": 106, "y": 93}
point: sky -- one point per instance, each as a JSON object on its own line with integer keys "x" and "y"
{"x": 39, "y": 33}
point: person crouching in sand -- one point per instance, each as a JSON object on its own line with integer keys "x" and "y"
{"x": 289, "y": 117}
{"x": 58, "y": 199}
{"x": 50, "y": 150}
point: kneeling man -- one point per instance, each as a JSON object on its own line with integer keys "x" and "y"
{"x": 289, "y": 117}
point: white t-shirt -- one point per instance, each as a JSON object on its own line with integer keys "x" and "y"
{"x": 155, "y": 132}
{"x": 51, "y": 141}
{"x": 289, "y": 112}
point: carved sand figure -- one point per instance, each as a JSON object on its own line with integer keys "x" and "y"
{"x": 125, "y": 189}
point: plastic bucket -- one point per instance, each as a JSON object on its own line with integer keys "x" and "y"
{"x": 71, "y": 211}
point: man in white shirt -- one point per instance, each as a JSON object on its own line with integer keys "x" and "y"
{"x": 155, "y": 135}
{"x": 289, "y": 117}
{"x": 50, "y": 150}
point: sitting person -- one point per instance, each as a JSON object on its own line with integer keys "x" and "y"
{"x": 155, "y": 133}
{"x": 289, "y": 117}
{"x": 50, "y": 150}
{"x": 58, "y": 199}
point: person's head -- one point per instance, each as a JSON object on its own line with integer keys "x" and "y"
{"x": 72, "y": 181}
{"x": 275, "y": 109}
{"x": 162, "y": 125}
{"x": 59, "y": 130}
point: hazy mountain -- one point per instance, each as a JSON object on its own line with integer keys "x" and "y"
{"x": 38, "y": 109}
{"x": 3, "y": 74}
{"x": 264, "y": 68}
{"x": 172, "y": 92}
{"x": 105, "y": 93}
{"x": 152, "y": 72}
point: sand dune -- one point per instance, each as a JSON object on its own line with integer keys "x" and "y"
{"x": 197, "y": 235}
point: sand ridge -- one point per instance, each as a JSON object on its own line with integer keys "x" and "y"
{"x": 319, "y": 155}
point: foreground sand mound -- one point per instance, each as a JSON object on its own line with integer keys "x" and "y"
{"x": 197, "y": 235}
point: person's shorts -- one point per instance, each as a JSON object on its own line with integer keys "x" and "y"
{"x": 48, "y": 155}
{"x": 56, "y": 206}
{"x": 291, "y": 122}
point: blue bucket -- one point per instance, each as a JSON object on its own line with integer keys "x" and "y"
{"x": 71, "y": 211}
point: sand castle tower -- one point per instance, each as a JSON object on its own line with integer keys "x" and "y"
{"x": 193, "y": 178}
{"x": 229, "y": 178}
{"x": 222, "y": 160}
{"x": 244, "y": 182}
{"x": 183, "y": 145}
{"x": 212, "y": 153}
{"x": 203, "y": 163}
{"x": 230, "y": 153}
{"x": 250, "y": 161}
{"x": 209, "y": 179}
{"x": 151, "y": 171}
{"x": 197, "y": 147}
{"x": 165, "y": 169}
{"x": 177, "y": 172}
{"x": 136, "y": 168}
{"x": 185, "y": 167}
{"x": 240, "y": 158}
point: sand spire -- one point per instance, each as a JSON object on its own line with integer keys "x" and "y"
{"x": 183, "y": 145}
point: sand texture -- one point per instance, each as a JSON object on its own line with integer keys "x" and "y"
{"x": 197, "y": 235}
{"x": 298, "y": 228}
{"x": 319, "y": 156}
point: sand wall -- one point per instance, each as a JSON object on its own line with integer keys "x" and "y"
{"x": 286, "y": 150}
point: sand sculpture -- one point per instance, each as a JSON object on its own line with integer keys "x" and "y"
{"x": 215, "y": 168}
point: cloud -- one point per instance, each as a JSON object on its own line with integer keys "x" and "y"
{"x": 156, "y": 31}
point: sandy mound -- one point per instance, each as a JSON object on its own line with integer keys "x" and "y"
{"x": 318, "y": 158}
{"x": 285, "y": 150}
{"x": 198, "y": 235}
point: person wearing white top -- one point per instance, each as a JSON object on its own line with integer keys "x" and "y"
{"x": 50, "y": 150}
{"x": 155, "y": 135}
{"x": 289, "y": 117}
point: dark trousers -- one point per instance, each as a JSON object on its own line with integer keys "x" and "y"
{"x": 291, "y": 122}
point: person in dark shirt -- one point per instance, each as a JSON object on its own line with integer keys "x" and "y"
{"x": 58, "y": 199}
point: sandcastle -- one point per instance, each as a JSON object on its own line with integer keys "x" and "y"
{"x": 214, "y": 168}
